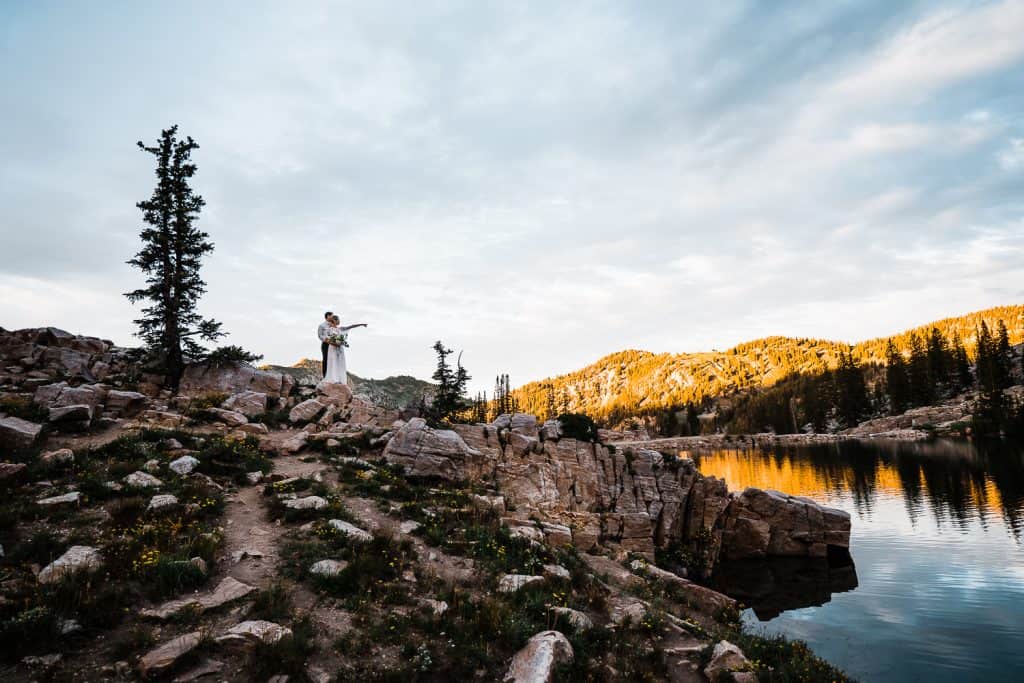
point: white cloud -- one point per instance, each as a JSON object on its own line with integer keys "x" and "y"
{"x": 1012, "y": 158}
{"x": 539, "y": 185}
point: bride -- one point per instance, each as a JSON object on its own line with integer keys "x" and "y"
{"x": 336, "y": 334}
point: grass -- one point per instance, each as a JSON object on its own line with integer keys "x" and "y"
{"x": 374, "y": 571}
{"x": 146, "y": 554}
{"x": 273, "y": 603}
{"x": 778, "y": 659}
{"x": 287, "y": 656}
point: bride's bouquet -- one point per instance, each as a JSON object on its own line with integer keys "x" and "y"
{"x": 338, "y": 340}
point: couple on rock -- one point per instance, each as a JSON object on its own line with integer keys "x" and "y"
{"x": 333, "y": 340}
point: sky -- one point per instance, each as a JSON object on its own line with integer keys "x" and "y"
{"x": 536, "y": 183}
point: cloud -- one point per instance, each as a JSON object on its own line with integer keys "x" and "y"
{"x": 539, "y": 185}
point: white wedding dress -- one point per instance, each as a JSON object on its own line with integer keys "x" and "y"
{"x": 337, "y": 372}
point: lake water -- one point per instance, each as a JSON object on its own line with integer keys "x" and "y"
{"x": 936, "y": 590}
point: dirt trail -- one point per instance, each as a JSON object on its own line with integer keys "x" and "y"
{"x": 251, "y": 540}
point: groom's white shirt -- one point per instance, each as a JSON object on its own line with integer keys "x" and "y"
{"x": 321, "y": 331}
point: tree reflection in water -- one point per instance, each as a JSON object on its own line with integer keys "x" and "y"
{"x": 955, "y": 481}
{"x": 944, "y": 487}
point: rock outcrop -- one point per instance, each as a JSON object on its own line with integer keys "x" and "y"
{"x": 632, "y": 498}
{"x": 199, "y": 379}
{"x": 37, "y": 356}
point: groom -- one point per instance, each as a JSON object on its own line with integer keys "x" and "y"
{"x": 321, "y": 332}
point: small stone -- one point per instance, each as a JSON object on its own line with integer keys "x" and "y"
{"x": 18, "y": 433}
{"x": 438, "y": 607}
{"x": 42, "y": 662}
{"x": 350, "y": 530}
{"x": 537, "y": 661}
{"x": 159, "y": 502}
{"x": 152, "y": 466}
{"x": 203, "y": 668}
{"x": 68, "y": 626}
{"x": 11, "y": 469}
{"x": 556, "y": 571}
{"x": 578, "y": 620}
{"x": 254, "y": 477}
{"x": 307, "y": 503}
{"x": 510, "y": 583}
{"x": 72, "y": 497}
{"x": 296, "y": 443}
{"x": 142, "y": 480}
{"x": 62, "y": 455}
{"x": 328, "y": 567}
{"x": 255, "y": 631}
{"x": 163, "y": 658}
{"x": 228, "y": 417}
{"x": 409, "y": 526}
{"x": 725, "y": 657}
{"x": 77, "y": 558}
{"x": 186, "y": 464}
{"x": 171, "y": 445}
{"x": 254, "y": 428}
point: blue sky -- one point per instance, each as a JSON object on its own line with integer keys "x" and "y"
{"x": 537, "y": 183}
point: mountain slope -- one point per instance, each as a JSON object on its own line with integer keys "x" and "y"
{"x": 399, "y": 391}
{"x": 633, "y": 382}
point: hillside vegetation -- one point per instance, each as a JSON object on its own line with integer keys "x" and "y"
{"x": 631, "y": 383}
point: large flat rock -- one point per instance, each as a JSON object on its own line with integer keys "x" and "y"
{"x": 228, "y": 590}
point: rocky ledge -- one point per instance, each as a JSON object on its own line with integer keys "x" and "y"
{"x": 626, "y": 497}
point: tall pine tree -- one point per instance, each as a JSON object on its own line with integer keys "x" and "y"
{"x": 960, "y": 372}
{"x": 989, "y": 409}
{"x": 1003, "y": 356}
{"x": 170, "y": 257}
{"x": 896, "y": 381}
{"x": 921, "y": 385}
{"x": 938, "y": 361}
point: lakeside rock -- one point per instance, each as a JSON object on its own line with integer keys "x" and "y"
{"x": 630, "y": 497}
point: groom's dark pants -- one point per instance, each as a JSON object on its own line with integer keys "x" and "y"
{"x": 323, "y": 365}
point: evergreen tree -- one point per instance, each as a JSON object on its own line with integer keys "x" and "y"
{"x": 851, "y": 390}
{"x": 171, "y": 256}
{"x": 813, "y": 410}
{"x": 989, "y": 409}
{"x": 896, "y": 380}
{"x": 1003, "y": 357}
{"x": 921, "y": 385}
{"x": 692, "y": 421}
{"x": 960, "y": 372}
{"x": 449, "y": 397}
{"x": 938, "y": 361}
{"x": 551, "y": 409}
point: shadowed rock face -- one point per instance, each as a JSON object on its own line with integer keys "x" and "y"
{"x": 632, "y": 498}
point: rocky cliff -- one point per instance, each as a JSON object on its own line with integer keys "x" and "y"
{"x": 630, "y": 498}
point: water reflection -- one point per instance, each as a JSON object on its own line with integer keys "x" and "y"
{"x": 938, "y": 592}
{"x": 954, "y": 482}
{"x": 773, "y": 586}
